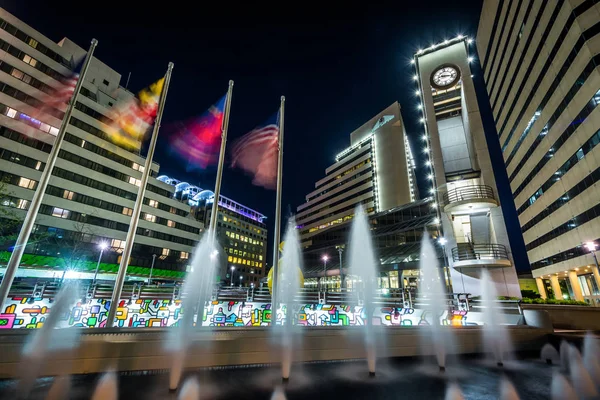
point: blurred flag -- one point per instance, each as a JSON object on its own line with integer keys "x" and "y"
{"x": 131, "y": 119}
{"x": 199, "y": 140}
{"x": 256, "y": 153}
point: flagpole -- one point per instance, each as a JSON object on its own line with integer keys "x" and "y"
{"x": 277, "y": 213}
{"x": 36, "y": 201}
{"x": 135, "y": 217}
{"x": 224, "y": 127}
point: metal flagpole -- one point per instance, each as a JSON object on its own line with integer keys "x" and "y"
{"x": 36, "y": 201}
{"x": 135, "y": 217}
{"x": 277, "y": 213}
{"x": 224, "y": 127}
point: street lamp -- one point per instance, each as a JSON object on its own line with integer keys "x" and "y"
{"x": 241, "y": 277}
{"x": 102, "y": 246}
{"x": 591, "y": 246}
{"x": 232, "y": 269}
{"x": 324, "y": 258}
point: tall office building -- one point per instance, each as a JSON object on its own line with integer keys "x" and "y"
{"x": 94, "y": 184}
{"x": 241, "y": 232}
{"x": 377, "y": 170}
{"x": 461, "y": 175}
{"x": 539, "y": 60}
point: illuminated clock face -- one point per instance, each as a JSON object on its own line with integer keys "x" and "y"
{"x": 445, "y": 76}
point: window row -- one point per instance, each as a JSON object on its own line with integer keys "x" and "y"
{"x": 570, "y": 163}
{"x": 21, "y": 160}
{"x": 19, "y": 34}
{"x": 340, "y": 211}
{"x": 28, "y": 79}
{"x": 576, "y": 190}
{"x": 363, "y": 151}
{"x": 26, "y": 119}
{"x": 573, "y": 252}
{"x": 344, "y": 199}
{"x": 30, "y": 100}
{"x": 243, "y": 238}
{"x": 567, "y": 133}
{"x": 27, "y": 59}
{"x": 243, "y": 261}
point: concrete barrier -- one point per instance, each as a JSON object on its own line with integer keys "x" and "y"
{"x": 146, "y": 349}
{"x": 568, "y": 317}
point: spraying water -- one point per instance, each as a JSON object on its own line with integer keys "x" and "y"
{"x": 495, "y": 333}
{"x": 363, "y": 265}
{"x": 107, "y": 388}
{"x": 48, "y": 338}
{"x": 454, "y": 393}
{"x": 549, "y": 354}
{"x": 60, "y": 388}
{"x": 507, "y": 390}
{"x": 564, "y": 355}
{"x": 278, "y": 394}
{"x": 196, "y": 289}
{"x": 591, "y": 354}
{"x": 561, "y": 389}
{"x": 433, "y": 293}
{"x": 190, "y": 390}
{"x": 581, "y": 379}
{"x": 288, "y": 284}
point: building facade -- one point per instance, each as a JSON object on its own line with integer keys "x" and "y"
{"x": 377, "y": 171}
{"x": 241, "y": 232}
{"x": 540, "y": 64}
{"x": 463, "y": 186}
{"x": 94, "y": 184}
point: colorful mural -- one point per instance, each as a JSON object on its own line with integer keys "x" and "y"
{"x": 23, "y": 312}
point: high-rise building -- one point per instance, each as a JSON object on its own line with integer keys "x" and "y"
{"x": 540, "y": 67}
{"x": 377, "y": 170}
{"x": 94, "y": 184}
{"x": 461, "y": 175}
{"x": 241, "y": 232}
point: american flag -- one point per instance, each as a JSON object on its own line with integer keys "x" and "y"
{"x": 256, "y": 153}
{"x": 59, "y": 98}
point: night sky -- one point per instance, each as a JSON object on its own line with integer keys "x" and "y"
{"x": 337, "y": 68}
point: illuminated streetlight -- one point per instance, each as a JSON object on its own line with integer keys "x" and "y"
{"x": 443, "y": 241}
{"x": 470, "y": 59}
{"x": 102, "y": 246}
{"x": 415, "y": 77}
{"x": 232, "y": 270}
{"x": 417, "y": 93}
{"x": 324, "y": 258}
{"x": 591, "y": 246}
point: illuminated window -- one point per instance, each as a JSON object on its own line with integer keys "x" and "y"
{"x": 260, "y": 258}
{"x": 231, "y": 251}
{"x": 165, "y": 253}
{"x": 153, "y": 203}
{"x": 60, "y": 212}
{"x": 67, "y": 194}
{"x": 150, "y": 217}
{"x": 134, "y": 181}
{"x": 17, "y": 74}
{"x": 224, "y": 218}
{"x": 23, "y": 204}
{"x": 117, "y": 245}
{"x": 237, "y": 236}
{"x": 235, "y": 260}
{"x": 170, "y": 224}
{"x": 83, "y": 143}
{"x": 127, "y": 211}
{"x": 184, "y": 255}
{"x": 27, "y": 183}
{"x": 32, "y": 42}
{"x": 230, "y": 259}
{"x": 30, "y": 60}
{"x": 11, "y": 112}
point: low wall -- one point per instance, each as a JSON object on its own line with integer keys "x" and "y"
{"x": 148, "y": 349}
{"x": 570, "y": 317}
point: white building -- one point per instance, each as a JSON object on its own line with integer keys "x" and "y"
{"x": 540, "y": 63}
{"x": 462, "y": 178}
{"x": 95, "y": 182}
{"x": 377, "y": 170}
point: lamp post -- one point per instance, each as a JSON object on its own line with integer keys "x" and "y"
{"x": 102, "y": 246}
{"x": 324, "y": 258}
{"x": 241, "y": 277}
{"x": 591, "y": 246}
{"x": 232, "y": 270}
{"x": 151, "y": 268}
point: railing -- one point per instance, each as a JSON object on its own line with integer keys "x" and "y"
{"x": 470, "y": 251}
{"x": 468, "y": 193}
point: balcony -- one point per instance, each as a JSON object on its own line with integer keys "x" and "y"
{"x": 480, "y": 255}
{"x": 469, "y": 199}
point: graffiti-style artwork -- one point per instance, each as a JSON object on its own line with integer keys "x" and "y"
{"x": 29, "y": 313}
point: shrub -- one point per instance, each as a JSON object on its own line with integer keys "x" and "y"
{"x": 530, "y": 294}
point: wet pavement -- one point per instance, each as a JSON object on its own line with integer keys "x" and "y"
{"x": 395, "y": 379}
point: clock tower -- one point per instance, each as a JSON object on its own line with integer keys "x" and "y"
{"x": 462, "y": 184}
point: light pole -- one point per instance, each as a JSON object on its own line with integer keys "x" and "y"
{"x": 102, "y": 246}
{"x": 591, "y": 246}
{"x": 151, "y": 268}
{"x": 241, "y": 277}
{"x": 340, "y": 250}
{"x": 324, "y": 258}
{"x": 232, "y": 270}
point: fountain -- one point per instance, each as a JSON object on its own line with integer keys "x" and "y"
{"x": 278, "y": 394}
{"x": 60, "y": 388}
{"x": 48, "y": 338}
{"x": 454, "y": 393}
{"x": 363, "y": 265}
{"x": 591, "y": 354}
{"x": 507, "y": 390}
{"x": 432, "y": 294}
{"x": 495, "y": 334}
{"x": 549, "y": 354}
{"x": 561, "y": 389}
{"x": 107, "y": 388}
{"x": 290, "y": 267}
{"x": 582, "y": 381}
{"x": 190, "y": 390}
{"x": 196, "y": 289}
{"x": 564, "y": 355}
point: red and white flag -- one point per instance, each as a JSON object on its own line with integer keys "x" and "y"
{"x": 257, "y": 153}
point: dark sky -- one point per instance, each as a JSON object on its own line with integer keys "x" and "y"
{"x": 337, "y": 68}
